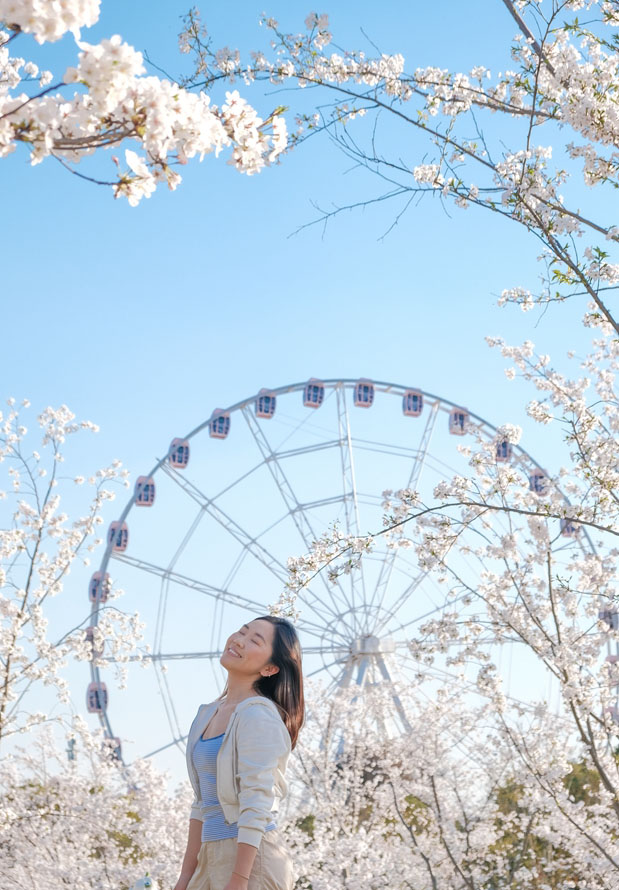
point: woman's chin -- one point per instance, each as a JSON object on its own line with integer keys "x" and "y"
{"x": 227, "y": 661}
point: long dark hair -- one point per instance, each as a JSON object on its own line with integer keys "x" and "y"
{"x": 285, "y": 688}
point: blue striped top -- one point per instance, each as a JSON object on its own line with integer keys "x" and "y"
{"x": 214, "y": 827}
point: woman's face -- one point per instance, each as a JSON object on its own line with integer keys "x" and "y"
{"x": 249, "y": 650}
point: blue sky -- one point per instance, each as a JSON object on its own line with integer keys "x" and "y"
{"x": 144, "y": 320}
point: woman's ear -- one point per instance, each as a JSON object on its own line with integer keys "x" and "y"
{"x": 270, "y": 670}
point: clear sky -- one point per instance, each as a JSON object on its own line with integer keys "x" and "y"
{"x": 143, "y": 320}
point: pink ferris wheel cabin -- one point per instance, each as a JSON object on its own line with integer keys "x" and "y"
{"x": 265, "y": 404}
{"x": 219, "y": 424}
{"x": 99, "y": 587}
{"x": 569, "y": 528}
{"x": 118, "y": 536}
{"x": 458, "y": 421}
{"x": 503, "y": 451}
{"x": 364, "y": 393}
{"x": 144, "y": 491}
{"x": 412, "y": 403}
{"x": 538, "y": 481}
{"x": 313, "y": 393}
{"x": 96, "y": 698}
{"x": 113, "y": 747}
{"x": 96, "y": 647}
{"x": 178, "y": 454}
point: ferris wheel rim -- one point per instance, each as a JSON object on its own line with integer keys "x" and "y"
{"x": 439, "y": 403}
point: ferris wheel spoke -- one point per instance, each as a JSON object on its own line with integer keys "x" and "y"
{"x": 166, "y": 656}
{"x": 349, "y": 490}
{"x": 243, "y": 537}
{"x": 200, "y": 655}
{"x": 401, "y": 600}
{"x": 190, "y": 583}
{"x": 463, "y": 685}
{"x": 294, "y": 507}
{"x": 322, "y": 668}
{"x": 165, "y": 583}
{"x": 406, "y": 624}
{"x": 216, "y": 593}
{"x": 177, "y": 741}
{"x": 280, "y": 478}
{"x": 382, "y": 584}
{"x": 306, "y": 449}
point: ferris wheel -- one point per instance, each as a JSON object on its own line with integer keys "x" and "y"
{"x": 204, "y": 540}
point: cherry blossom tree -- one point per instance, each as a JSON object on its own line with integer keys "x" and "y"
{"x": 445, "y": 805}
{"x": 519, "y": 144}
{"x": 105, "y": 100}
{"x": 82, "y": 820}
{"x": 84, "y": 823}
{"x": 39, "y": 546}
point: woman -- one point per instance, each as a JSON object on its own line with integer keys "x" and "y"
{"x": 237, "y": 751}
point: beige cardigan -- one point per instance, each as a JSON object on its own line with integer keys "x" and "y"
{"x": 251, "y": 764}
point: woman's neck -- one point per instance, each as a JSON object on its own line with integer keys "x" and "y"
{"x": 239, "y": 689}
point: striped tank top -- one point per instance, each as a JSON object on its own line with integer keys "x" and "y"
{"x": 214, "y": 827}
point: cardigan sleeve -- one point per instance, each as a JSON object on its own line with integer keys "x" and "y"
{"x": 196, "y": 804}
{"x": 263, "y": 745}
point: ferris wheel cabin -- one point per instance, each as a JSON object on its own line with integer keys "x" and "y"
{"x": 313, "y": 393}
{"x": 96, "y": 649}
{"x": 179, "y": 454}
{"x": 412, "y": 403}
{"x": 538, "y": 481}
{"x": 99, "y": 587}
{"x": 503, "y": 451}
{"x": 609, "y": 617}
{"x": 458, "y": 421}
{"x": 144, "y": 491}
{"x": 569, "y": 528}
{"x": 364, "y": 393}
{"x": 265, "y": 404}
{"x": 96, "y": 698}
{"x": 219, "y": 424}
{"x": 113, "y": 748}
{"x": 118, "y": 536}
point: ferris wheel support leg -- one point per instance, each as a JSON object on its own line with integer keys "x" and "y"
{"x": 395, "y": 697}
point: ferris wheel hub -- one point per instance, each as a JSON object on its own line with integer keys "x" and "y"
{"x": 371, "y": 645}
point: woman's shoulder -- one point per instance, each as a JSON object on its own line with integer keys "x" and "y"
{"x": 202, "y": 709}
{"x": 256, "y": 704}
{"x": 261, "y": 710}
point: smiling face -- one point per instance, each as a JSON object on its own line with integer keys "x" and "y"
{"x": 249, "y": 650}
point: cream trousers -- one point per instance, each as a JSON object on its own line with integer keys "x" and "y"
{"x": 272, "y": 868}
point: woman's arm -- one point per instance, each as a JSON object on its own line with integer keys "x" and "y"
{"x": 243, "y": 864}
{"x": 190, "y": 859}
{"x": 262, "y": 747}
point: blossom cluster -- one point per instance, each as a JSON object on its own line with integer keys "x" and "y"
{"x": 115, "y": 104}
{"x": 49, "y": 20}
